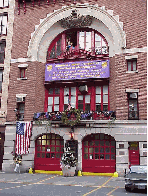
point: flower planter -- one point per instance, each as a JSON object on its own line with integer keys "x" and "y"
{"x": 68, "y": 171}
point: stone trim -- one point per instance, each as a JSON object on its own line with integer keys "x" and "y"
{"x": 131, "y": 57}
{"x": 132, "y": 71}
{"x": 21, "y": 95}
{"x": 127, "y": 90}
{"x": 22, "y": 78}
{"x": 22, "y": 65}
{"x": 135, "y": 50}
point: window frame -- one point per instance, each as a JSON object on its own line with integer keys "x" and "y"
{"x": 22, "y": 69}
{"x": 2, "y": 53}
{"x": 5, "y": 14}
{"x": 3, "y": 1}
{"x": 102, "y": 94}
{"x": 131, "y": 61}
{"x": 1, "y": 82}
{"x": 91, "y": 92}
{"x": 64, "y": 38}
{"x": 53, "y": 95}
{"x": 129, "y": 98}
{"x": 22, "y": 113}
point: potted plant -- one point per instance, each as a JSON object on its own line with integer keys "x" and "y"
{"x": 68, "y": 163}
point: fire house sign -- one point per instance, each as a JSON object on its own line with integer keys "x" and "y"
{"x": 77, "y": 70}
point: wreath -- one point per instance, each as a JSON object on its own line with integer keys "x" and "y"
{"x": 66, "y": 117}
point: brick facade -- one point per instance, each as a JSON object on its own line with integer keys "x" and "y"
{"x": 134, "y": 26}
{"x": 26, "y": 30}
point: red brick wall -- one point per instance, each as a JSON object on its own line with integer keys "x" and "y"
{"x": 131, "y": 81}
{"x": 33, "y": 87}
{"x": 133, "y": 15}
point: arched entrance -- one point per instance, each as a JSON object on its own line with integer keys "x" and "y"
{"x": 48, "y": 151}
{"x": 98, "y": 153}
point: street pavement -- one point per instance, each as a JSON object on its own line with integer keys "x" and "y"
{"x": 23, "y": 184}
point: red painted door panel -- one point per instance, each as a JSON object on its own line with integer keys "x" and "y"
{"x": 98, "y": 154}
{"x": 134, "y": 157}
{"x": 48, "y": 152}
{"x": 47, "y": 164}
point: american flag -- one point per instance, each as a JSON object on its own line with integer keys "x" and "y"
{"x": 23, "y": 134}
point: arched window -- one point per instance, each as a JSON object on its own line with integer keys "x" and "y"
{"x": 78, "y": 40}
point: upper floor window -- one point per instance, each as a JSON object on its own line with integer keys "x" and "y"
{"x": 132, "y": 65}
{"x": 79, "y": 97}
{"x": 1, "y": 80}
{"x": 86, "y": 40}
{"x": 4, "y": 3}
{"x": 2, "y": 51}
{"x": 102, "y": 98}
{"x": 20, "y": 108}
{"x": 22, "y": 72}
{"x": 133, "y": 106}
{"x": 3, "y": 23}
{"x": 53, "y": 99}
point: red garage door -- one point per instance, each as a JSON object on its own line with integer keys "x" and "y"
{"x": 48, "y": 152}
{"x": 98, "y": 153}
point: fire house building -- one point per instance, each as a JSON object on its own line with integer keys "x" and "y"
{"x": 88, "y": 56}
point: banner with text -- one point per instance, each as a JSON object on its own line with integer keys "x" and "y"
{"x": 77, "y": 70}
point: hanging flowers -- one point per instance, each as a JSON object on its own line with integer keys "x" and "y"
{"x": 71, "y": 117}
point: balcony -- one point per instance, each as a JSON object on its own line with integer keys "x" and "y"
{"x": 57, "y": 116}
{"x": 78, "y": 53}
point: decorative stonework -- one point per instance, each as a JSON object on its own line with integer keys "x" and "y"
{"x": 76, "y": 21}
{"x": 110, "y": 28}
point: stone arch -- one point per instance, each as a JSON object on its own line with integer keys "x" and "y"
{"x": 104, "y": 22}
{"x": 86, "y": 132}
{"x": 43, "y": 130}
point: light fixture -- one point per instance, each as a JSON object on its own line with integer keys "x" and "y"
{"x": 72, "y": 132}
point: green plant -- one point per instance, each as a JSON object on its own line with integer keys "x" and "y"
{"x": 66, "y": 117}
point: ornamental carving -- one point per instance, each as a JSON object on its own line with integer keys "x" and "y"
{"x": 76, "y": 21}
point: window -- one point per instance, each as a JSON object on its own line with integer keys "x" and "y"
{"x": 21, "y": 108}
{"x": 121, "y": 153}
{"x": 1, "y": 80}
{"x": 20, "y": 99}
{"x": 86, "y": 98}
{"x": 75, "y": 39}
{"x": 132, "y": 65}
{"x": 145, "y": 154}
{"x": 133, "y": 106}
{"x": 102, "y": 98}
{"x": 2, "y": 51}
{"x": 3, "y": 23}
{"x": 4, "y": 3}
{"x": 56, "y": 50}
{"x": 69, "y": 97}
{"x": 144, "y": 145}
{"x": 121, "y": 145}
{"x": 53, "y": 100}
{"x": 22, "y": 72}
{"x": 49, "y": 146}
